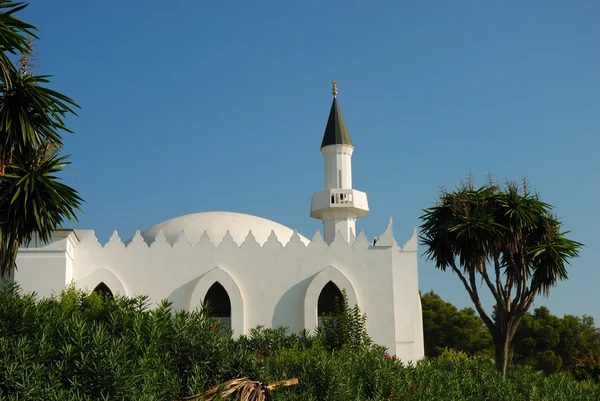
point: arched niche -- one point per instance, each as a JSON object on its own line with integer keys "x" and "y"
{"x": 315, "y": 288}
{"x": 102, "y": 275}
{"x": 104, "y": 290}
{"x": 220, "y": 276}
{"x": 328, "y": 298}
{"x": 219, "y": 304}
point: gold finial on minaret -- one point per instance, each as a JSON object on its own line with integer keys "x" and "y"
{"x": 334, "y": 90}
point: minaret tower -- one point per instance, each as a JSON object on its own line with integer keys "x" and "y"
{"x": 338, "y": 205}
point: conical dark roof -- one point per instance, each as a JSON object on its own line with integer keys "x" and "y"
{"x": 336, "y": 132}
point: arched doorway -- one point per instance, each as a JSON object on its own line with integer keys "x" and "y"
{"x": 330, "y": 295}
{"x": 103, "y": 290}
{"x": 219, "y": 304}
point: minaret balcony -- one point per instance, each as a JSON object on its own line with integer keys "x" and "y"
{"x": 349, "y": 200}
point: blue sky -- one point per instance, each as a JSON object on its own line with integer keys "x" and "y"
{"x": 191, "y": 106}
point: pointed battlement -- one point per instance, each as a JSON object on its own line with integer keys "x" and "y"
{"x": 138, "y": 241}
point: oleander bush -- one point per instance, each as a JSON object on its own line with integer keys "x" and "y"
{"x": 80, "y": 346}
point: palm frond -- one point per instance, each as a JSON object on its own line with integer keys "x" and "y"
{"x": 31, "y": 113}
{"x": 241, "y": 389}
{"x": 34, "y": 201}
{"x": 14, "y": 37}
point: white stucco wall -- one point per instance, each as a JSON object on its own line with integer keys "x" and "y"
{"x": 48, "y": 268}
{"x": 270, "y": 285}
{"x": 338, "y": 166}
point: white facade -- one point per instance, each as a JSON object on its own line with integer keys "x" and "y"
{"x": 272, "y": 276}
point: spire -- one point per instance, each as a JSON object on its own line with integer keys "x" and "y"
{"x": 339, "y": 205}
{"x": 336, "y": 132}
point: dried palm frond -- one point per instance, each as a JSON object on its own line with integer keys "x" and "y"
{"x": 242, "y": 389}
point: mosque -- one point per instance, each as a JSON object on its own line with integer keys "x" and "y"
{"x": 254, "y": 271}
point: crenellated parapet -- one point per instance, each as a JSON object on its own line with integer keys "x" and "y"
{"x": 360, "y": 242}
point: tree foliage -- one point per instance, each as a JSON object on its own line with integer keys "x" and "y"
{"x": 445, "y": 326}
{"x": 543, "y": 341}
{"x": 506, "y": 237}
{"x": 537, "y": 339}
{"x": 550, "y": 343}
{"x": 33, "y": 200}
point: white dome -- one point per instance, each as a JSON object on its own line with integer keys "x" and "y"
{"x": 216, "y": 225}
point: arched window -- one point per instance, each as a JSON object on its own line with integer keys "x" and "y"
{"x": 102, "y": 289}
{"x": 219, "y": 304}
{"x": 330, "y": 295}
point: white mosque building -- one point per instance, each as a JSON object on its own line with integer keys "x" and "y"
{"x": 252, "y": 270}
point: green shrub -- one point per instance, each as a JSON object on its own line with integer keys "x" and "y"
{"x": 84, "y": 347}
{"x": 346, "y": 326}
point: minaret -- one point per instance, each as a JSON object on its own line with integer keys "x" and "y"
{"x": 338, "y": 205}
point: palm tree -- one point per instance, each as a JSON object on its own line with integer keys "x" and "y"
{"x": 506, "y": 238}
{"x": 33, "y": 201}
